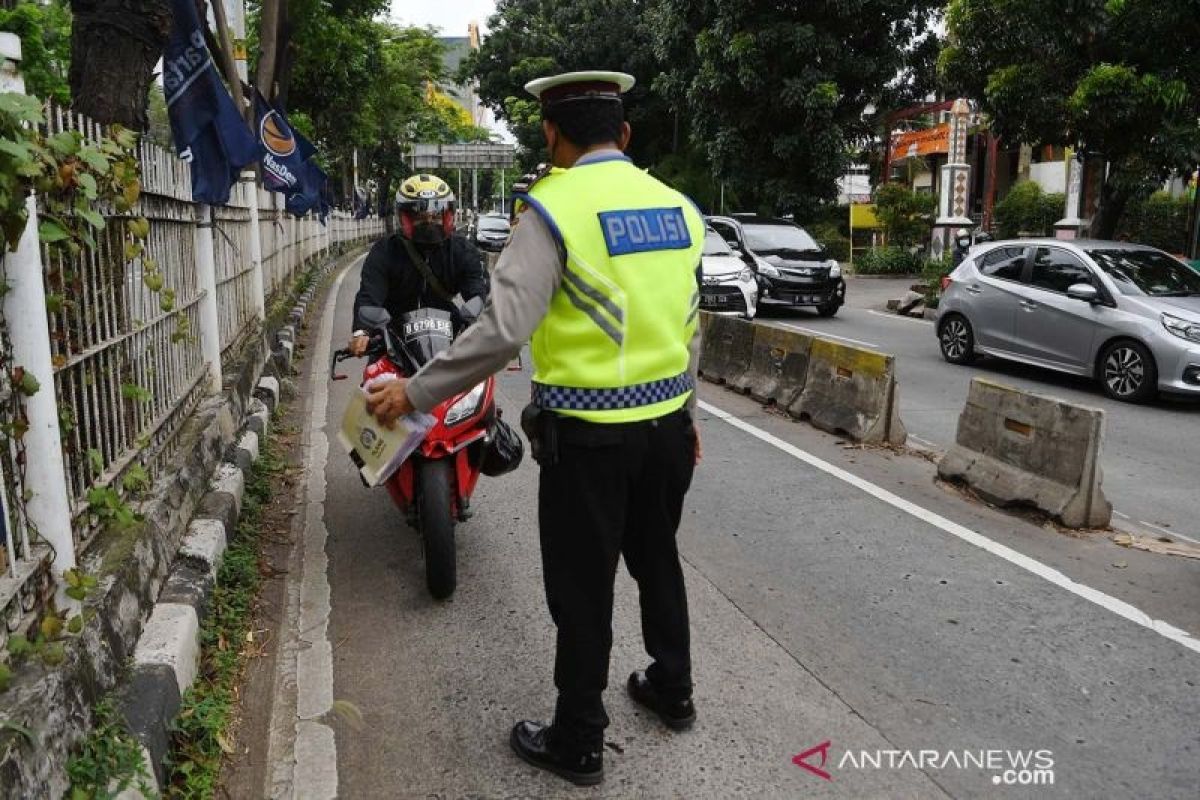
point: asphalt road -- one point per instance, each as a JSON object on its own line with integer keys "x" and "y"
{"x": 842, "y": 604}
{"x": 1149, "y": 460}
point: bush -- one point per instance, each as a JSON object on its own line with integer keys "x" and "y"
{"x": 829, "y": 237}
{"x": 906, "y": 216}
{"x": 1028, "y": 210}
{"x": 1159, "y": 221}
{"x": 888, "y": 261}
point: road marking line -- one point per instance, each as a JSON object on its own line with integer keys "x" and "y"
{"x": 1118, "y": 607}
{"x": 925, "y": 442}
{"x": 1166, "y": 532}
{"x": 315, "y": 766}
{"x": 828, "y": 335}
{"x": 899, "y": 317}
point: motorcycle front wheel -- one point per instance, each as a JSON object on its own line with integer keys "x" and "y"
{"x": 437, "y": 526}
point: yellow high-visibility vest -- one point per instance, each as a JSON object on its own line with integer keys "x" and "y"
{"x": 614, "y": 345}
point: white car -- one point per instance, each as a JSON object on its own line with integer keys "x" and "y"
{"x": 728, "y": 285}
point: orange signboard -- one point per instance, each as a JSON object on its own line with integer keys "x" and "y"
{"x": 921, "y": 143}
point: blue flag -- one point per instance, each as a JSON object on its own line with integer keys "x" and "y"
{"x": 206, "y": 125}
{"x": 286, "y": 165}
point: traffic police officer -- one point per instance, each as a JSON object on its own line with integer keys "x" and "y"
{"x": 602, "y": 272}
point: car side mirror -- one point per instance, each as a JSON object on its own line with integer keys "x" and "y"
{"x": 1083, "y": 291}
{"x": 374, "y": 316}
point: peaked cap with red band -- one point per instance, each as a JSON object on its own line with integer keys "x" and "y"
{"x": 590, "y": 85}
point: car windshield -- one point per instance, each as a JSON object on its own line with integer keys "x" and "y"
{"x": 1147, "y": 272}
{"x": 777, "y": 239}
{"x": 493, "y": 224}
{"x": 714, "y": 245}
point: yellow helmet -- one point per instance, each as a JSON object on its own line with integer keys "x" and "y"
{"x": 425, "y": 205}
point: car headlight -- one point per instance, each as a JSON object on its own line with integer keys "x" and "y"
{"x": 1182, "y": 327}
{"x": 835, "y": 269}
{"x": 768, "y": 270}
{"x": 466, "y": 406}
{"x": 746, "y": 274}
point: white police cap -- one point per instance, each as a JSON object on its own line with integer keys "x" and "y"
{"x": 591, "y": 84}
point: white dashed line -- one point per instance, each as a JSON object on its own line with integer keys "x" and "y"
{"x": 899, "y": 317}
{"x": 828, "y": 335}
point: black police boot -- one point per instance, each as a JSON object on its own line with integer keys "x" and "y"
{"x": 531, "y": 741}
{"x": 678, "y": 715}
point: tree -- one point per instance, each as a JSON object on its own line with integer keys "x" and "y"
{"x": 1112, "y": 78}
{"x": 45, "y": 32}
{"x": 776, "y": 92}
{"x": 115, "y": 45}
{"x": 533, "y": 38}
{"x": 906, "y": 215}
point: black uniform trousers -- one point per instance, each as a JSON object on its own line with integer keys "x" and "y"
{"x": 614, "y": 489}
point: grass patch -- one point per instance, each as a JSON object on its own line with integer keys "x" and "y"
{"x": 109, "y": 761}
{"x": 200, "y": 735}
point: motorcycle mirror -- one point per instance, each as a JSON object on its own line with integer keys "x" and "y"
{"x": 374, "y": 316}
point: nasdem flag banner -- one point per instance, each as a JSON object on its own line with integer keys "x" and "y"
{"x": 206, "y": 125}
{"x": 285, "y": 163}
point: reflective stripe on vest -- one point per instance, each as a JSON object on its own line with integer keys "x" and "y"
{"x": 572, "y": 398}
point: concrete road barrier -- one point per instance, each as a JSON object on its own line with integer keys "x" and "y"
{"x": 778, "y": 365}
{"x": 1018, "y": 448}
{"x": 851, "y": 391}
{"x": 725, "y": 348}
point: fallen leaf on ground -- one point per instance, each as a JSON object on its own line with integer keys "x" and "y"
{"x": 1161, "y": 545}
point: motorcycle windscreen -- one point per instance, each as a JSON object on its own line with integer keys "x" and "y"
{"x": 425, "y": 332}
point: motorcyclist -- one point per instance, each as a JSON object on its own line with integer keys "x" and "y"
{"x": 424, "y": 264}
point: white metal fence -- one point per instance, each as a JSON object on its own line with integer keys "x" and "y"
{"x": 128, "y": 364}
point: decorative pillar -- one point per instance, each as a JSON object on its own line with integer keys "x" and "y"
{"x": 1073, "y": 223}
{"x": 954, "y": 191}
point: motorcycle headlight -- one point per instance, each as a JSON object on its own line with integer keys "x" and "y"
{"x": 746, "y": 275}
{"x": 466, "y": 406}
{"x": 835, "y": 269}
{"x": 1182, "y": 327}
{"x": 768, "y": 270}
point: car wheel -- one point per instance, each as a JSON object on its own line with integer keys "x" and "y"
{"x": 1128, "y": 372}
{"x": 957, "y": 339}
{"x": 828, "y": 309}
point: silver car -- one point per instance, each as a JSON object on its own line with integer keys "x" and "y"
{"x": 1126, "y": 314}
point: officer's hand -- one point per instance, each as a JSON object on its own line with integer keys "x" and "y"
{"x": 699, "y": 449}
{"x": 358, "y": 345}
{"x": 388, "y": 401}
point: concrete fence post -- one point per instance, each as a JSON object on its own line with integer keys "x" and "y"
{"x": 48, "y": 508}
{"x": 250, "y": 184}
{"x": 206, "y": 268}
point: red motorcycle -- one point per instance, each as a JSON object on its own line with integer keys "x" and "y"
{"x": 433, "y": 486}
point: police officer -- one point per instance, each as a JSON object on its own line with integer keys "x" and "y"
{"x": 602, "y": 271}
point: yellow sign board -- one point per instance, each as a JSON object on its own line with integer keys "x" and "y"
{"x": 862, "y": 215}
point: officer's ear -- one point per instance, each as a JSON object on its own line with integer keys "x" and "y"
{"x": 625, "y": 136}
{"x": 550, "y": 131}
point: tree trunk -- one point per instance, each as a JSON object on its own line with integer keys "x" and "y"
{"x": 268, "y": 44}
{"x": 1113, "y": 200}
{"x": 283, "y": 57}
{"x": 115, "y": 45}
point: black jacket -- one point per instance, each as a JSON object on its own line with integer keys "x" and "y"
{"x": 391, "y": 280}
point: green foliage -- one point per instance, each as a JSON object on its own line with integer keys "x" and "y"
{"x": 45, "y": 31}
{"x": 533, "y": 38}
{"x": 906, "y": 215}
{"x": 888, "y": 261}
{"x": 1113, "y": 79}
{"x": 1160, "y": 221}
{"x": 776, "y": 92}
{"x": 829, "y": 236}
{"x": 1028, "y": 210}
{"x": 109, "y": 761}
{"x": 200, "y": 735}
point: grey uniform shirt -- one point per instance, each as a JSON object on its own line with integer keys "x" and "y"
{"x": 524, "y": 281}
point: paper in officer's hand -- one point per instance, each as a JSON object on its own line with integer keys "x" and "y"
{"x": 377, "y": 450}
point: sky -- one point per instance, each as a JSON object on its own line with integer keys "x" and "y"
{"x": 451, "y": 16}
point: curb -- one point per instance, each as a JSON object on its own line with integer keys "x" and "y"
{"x": 166, "y": 659}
